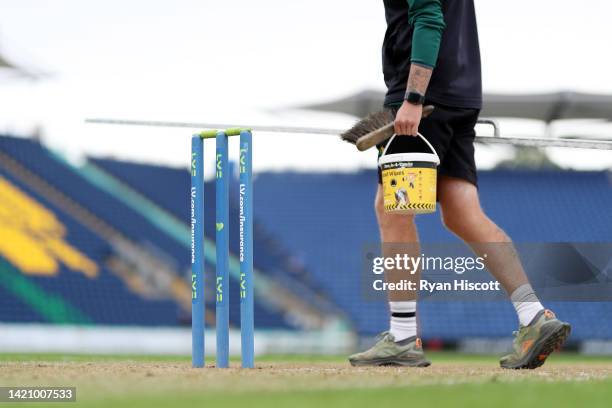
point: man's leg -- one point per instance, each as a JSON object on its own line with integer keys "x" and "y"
{"x": 398, "y": 235}
{"x": 540, "y": 332}
{"x": 400, "y": 346}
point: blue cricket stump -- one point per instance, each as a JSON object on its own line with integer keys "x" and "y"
{"x": 197, "y": 251}
{"x": 222, "y": 238}
{"x": 247, "y": 324}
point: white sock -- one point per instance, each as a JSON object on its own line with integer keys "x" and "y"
{"x": 525, "y": 303}
{"x": 403, "y": 320}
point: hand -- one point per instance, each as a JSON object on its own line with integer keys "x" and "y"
{"x": 407, "y": 119}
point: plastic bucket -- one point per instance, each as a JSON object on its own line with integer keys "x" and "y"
{"x": 409, "y": 180}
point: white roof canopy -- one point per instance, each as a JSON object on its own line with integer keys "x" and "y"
{"x": 546, "y": 107}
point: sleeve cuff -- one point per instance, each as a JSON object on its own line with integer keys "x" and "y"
{"x": 422, "y": 64}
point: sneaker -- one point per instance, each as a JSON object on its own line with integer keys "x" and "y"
{"x": 386, "y": 351}
{"x": 534, "y": 343}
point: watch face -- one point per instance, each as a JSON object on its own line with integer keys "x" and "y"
{"x": 415, "y": 98}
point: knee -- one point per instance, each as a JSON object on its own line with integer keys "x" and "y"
{"x": 461, "y": 222}
{"x": 473, "y": 223}
{"x": 390, "y": 221}
{"x": 449, "y": 221}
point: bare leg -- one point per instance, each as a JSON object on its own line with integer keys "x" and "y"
{"x": 397, "y": 229}
{"x": 462, "y": 215}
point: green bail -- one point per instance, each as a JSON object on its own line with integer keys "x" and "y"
{"x": 235, "y": 131}
{"x": 207, "y": 134}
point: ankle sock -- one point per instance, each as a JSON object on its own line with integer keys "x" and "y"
{"x": 525, "y": 303}
{"x": 403, "y": 320}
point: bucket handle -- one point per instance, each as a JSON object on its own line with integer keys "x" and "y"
{"x": 419, "y": 135}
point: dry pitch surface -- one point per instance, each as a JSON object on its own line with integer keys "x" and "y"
{"x": 452, "y": 380}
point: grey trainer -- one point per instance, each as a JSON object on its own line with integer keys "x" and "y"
{"x": 386, "y": 351}
{"x": 534, "y": 343}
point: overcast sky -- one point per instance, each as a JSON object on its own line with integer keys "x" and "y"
{"x": 247, "y": 61}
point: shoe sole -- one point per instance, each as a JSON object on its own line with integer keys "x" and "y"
{"x": 393, "y": 362}
{"x": 538, "y": 354}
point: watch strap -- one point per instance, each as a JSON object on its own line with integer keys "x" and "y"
{"x": 414, "y": 98}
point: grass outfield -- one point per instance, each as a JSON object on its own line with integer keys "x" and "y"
{"x": 453, "y": 380}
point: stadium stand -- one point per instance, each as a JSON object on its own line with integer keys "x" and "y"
{"x": 53, "y": 291}
{"x": 116, "y": 237}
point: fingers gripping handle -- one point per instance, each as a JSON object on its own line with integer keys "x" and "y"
{"x": 382, "y": 134}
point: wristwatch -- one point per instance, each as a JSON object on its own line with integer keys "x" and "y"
{"x": 414, "y": 98}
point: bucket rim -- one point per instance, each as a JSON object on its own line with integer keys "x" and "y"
{"x": 409, "y": 157}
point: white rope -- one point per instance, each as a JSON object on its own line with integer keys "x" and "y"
{"x": 516, "y": 141}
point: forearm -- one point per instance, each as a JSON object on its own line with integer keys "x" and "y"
{"x": 408, "y": 117}
{"x": 418, "y": 78}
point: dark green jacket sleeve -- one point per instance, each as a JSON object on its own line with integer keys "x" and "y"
{"x": 427, "y": 20}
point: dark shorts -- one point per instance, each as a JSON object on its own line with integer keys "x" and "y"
{"x": 451, "y": 132}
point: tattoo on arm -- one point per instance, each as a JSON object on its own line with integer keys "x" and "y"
{"x": 418, "y": 79}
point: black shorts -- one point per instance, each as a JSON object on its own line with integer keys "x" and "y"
{"x": 451, "y": 132}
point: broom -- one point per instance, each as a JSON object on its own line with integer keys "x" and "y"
{"x": 375, "y": 128}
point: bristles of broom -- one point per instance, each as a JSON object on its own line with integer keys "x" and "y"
{"x": 370, "y": 123}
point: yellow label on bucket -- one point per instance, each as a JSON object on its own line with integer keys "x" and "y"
{"x": 409, "y": 189}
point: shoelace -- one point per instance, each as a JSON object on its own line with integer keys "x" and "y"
{"x": 382, "y": 335}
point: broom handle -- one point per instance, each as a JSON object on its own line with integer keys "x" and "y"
{"x": 385, "y": 132}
